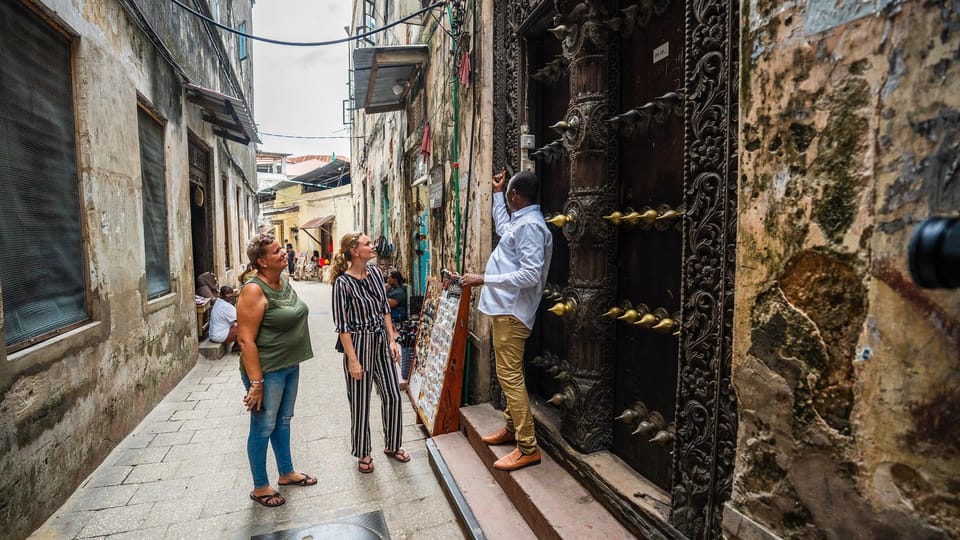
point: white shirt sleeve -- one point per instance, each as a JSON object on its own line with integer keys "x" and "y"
{"x": 501, "y": 218}
{"x": 530, "y": 243}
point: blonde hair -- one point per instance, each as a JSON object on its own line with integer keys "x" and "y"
{"x": 248, "y": 273}
{"x": 257, "y": 247}
{"x": 341, "y": 261}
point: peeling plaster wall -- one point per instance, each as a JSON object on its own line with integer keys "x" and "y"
{"x": 67, "y": 401}
{"x": 847, "y": 374}
{"x": 478, "y": 217}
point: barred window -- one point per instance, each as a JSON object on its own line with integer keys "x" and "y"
{"x": 42, "y": 265}
{"x": 152, "y": 171}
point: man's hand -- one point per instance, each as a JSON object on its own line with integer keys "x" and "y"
{"x": 500, "y": 181}
{"x": 472, "y": 280}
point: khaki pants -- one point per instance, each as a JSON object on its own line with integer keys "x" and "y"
{"x": 509, "y": 339}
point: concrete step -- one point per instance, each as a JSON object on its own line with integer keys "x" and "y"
{"x": 482, "y": 506}
{"x": 550, "y": 500}
{"x": 211, "y": 350}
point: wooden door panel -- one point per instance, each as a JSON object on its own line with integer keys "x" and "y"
{"x": 649, "y": 261}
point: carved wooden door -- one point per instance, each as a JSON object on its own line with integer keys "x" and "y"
{"x": 650, "y": 130}
{"x": 646, "y": 205}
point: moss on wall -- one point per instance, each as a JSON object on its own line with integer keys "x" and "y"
{"x": 48, "y": 412}
{"x": 843, "y": 138}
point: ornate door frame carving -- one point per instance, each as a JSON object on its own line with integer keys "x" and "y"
{"x": 706, "y": 438}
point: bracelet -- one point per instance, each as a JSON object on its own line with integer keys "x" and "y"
{"x": 257, "y": 382}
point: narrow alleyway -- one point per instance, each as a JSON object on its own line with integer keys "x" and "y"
{"x": 183, "y": 473}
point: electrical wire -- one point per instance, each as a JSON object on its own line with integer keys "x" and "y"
{"x": 309, "y": 43}
{"x": 308, "y": 136}
{"x": 439, "y": 22}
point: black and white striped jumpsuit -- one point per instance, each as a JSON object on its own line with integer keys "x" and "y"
{"x": 359, "y": 307}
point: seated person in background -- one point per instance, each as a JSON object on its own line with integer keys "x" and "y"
{"x": 223, "y": 319}
{"x": 396, "y": 296}
{"x": 315, "y": 258}
{"x": 207, "y": 285}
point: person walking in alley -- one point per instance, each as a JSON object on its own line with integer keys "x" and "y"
{"x": 291, "y": 259}
{"x": 513, "y": 283}
{"x": 361, "y": 315}
{"x": 274, "y": 339}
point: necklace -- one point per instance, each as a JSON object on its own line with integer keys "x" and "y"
{"x": 273, "y": 285}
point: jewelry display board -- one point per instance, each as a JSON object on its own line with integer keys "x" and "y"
{"x": 436, "y": 380}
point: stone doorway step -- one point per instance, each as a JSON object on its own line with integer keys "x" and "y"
{"x": 542, "y": 501}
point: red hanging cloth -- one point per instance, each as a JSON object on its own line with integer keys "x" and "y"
{"x": 465, "y": 69}
{"x": 425, "y": 143}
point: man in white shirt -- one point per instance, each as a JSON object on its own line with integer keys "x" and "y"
{"x": 513, "y": 284}
{"x": 223, "y": 318}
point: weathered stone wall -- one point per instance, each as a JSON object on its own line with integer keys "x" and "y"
{"x": 478, "y": 216}
{"x": 69, "y": 400}
{"x": 846, "y": 372}
{"x": 466, "y": 172}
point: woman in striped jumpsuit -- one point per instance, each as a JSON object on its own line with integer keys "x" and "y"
{"x": 362, "y": 318}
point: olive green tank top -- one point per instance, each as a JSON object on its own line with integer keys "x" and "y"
{"x": 284, "y": 338}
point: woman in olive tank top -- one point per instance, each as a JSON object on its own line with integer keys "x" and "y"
{"x": 274, "y": 339}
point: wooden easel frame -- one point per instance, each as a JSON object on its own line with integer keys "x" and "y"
{"x": 443, "y": 416}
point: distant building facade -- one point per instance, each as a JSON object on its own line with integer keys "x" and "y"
{"x": 271, "y": 169}
{"x": 310, "y": 211}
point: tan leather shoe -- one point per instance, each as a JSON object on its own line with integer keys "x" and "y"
{"x": 501, "y": 437}
{"x": 517, "y": 460}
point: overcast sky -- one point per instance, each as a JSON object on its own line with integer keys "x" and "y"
{"x": 299, "y": 90}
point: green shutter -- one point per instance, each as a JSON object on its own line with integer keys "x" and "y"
{"x": 42, "y": 265}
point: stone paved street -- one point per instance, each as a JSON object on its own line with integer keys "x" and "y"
{"x": 183, "y": 473}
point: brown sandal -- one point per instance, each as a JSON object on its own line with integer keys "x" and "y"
{"x": 365, "y": 466}
{"x": 307, "y": 480}
{"x": 400, "y": 455}
{"x": 265, "y": 499}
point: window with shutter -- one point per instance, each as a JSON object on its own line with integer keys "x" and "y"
{"x": 43, "y": 271}
{"x": 152, "y": 171}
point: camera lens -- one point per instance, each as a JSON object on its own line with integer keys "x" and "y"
{"x": 934, "y": 253}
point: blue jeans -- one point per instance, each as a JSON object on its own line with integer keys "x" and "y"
{"x": 272, "y": 423}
